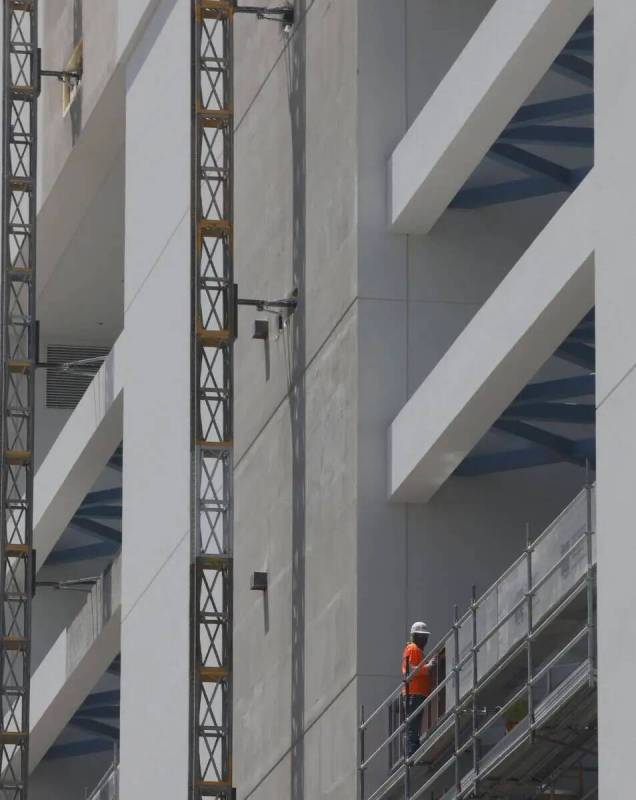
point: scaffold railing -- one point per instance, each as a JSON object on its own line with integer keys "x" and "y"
{"x": 507, "y": 668}
{"x": 108, "y": 787}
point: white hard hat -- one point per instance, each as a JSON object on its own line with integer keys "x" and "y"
{"x": 420, "y": 627}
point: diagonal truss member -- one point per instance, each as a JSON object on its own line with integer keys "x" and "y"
{"x": 19, "y": 116}
{"x": 213, "y": 325}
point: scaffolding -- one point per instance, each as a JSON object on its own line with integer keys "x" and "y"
{"x": 513, "y": 712}
{"x": 213, "y": 333}
{"x": 108, "y": 787}
{"x": 19, "y": 163}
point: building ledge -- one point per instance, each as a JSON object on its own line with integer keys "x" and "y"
{"x": 78, "y": 456}
{"x": 516, "y": 330}
{"x": 501, "y": 64}
{"x": 75, "y": 663}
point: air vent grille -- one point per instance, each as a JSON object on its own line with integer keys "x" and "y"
{"x": 65, "y": 389}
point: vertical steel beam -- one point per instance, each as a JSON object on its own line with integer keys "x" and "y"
{"x": 19, "y": 163}
{"x": 474, "y": 604}
{"x": 213, "y": 325}
{"x": 530, "y": 631}
{"x": 590, "y": 578}
{"x": 457, "y": 700}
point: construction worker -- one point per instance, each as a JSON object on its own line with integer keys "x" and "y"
{"x": 417, "y": 682}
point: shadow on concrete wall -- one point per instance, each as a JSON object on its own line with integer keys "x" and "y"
{"x": 296, "y": 55}
{"x": 75, "y": 111}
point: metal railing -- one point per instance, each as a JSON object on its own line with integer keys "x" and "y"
{"x": 502, "y": 630}
{"x": 108, "y": 787}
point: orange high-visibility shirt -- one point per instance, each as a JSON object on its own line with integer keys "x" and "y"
{"x": 411, "y": 658}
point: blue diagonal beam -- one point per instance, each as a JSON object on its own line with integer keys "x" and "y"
{"x": 489, "y": 463}
{"x": 559, "y": 389}
{"x": 530, "y": 163}
{"x": 105, "y": 512}
{"x": 570, "y": 413}
{"x": 101, "y": 698}
{"x": 575, "y": 67}
{"x": 576, "y": 353}
{"x": 96, "y": 528}
{"x": 566, "y": 135}
{"x": 92, "y": 726}
{"x": 103, "y": 496}
{"x": 116, "y": 463}
{"x": 101, "y": 712}
{"x": 115, "y": 666}
{"x": 583, "y": 333}
{"x": 74, "y": 554}
{"x": 587, "y": 26}
{"x": 117, "y": 459}
{"x": 587, "y": 323}
{"x": 81, "y": 748}
{"x": 551, "y": 110}
{"x": 580, "y": 44}
{"x": 561, "y": 445}
{"x": 511, "y": 191}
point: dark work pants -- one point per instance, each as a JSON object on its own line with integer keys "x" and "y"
{"x": 413, "y": 728}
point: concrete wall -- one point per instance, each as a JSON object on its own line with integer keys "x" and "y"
{"x": 109, "y": 32}
{"x": 156, "y": 478}
{"x": 65, "y": 23}
{"x": 346, "y": 569}
{"x": 296, "y": 453}
{"x": 615, "y": 23}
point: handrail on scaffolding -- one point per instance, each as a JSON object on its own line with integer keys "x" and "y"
{"x": 526, "y": 601}
{"x": 108, "y": 786}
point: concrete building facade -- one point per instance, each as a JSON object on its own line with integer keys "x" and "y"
{"x": 445, "y": 185}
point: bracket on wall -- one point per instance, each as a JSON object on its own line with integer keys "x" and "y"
{"x": 66, "y": 76}
{"x": 283, "y": 14}
{"x": 290, "y": 303}
{"x": 71, "y": 585}
{"x": 283, "y": 308}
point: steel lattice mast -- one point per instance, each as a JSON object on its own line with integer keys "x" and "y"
{"x": 213, "y": 333}
{"x": 20, "y": 90}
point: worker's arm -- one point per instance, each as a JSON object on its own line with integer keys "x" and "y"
{"x": 406, "y": 664}
{"x": 410, "y": 665}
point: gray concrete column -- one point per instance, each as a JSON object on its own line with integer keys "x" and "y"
{"x": 156, "y": 478}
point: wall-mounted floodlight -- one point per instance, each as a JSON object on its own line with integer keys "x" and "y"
{"x": 261, "y": 329}
{"x": 258, "y": 582}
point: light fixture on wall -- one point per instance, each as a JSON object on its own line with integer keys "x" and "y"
{"x": 258, "y": 582}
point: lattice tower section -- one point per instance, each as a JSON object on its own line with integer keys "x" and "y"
{"x": 20, "y": 81}
{"x": 212, "y": 426}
